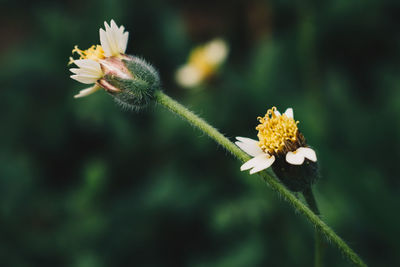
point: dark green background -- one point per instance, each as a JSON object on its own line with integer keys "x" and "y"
{"x": 83, "y": 183}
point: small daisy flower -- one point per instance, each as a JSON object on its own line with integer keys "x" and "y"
{"x": 130, "y": 80}
{"x": 97, "y": 61}
{"x": 203, "y": 63}
{"x": 280, "y": 145}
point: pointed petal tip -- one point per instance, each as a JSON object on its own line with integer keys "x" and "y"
{"x": 113, "y": 24}
{"x": 87, "y": 91}
{"x": 242, "y": 168}
{"x": 277, "y": 113}
{"x": 74, "y": 70}
{"x": 289, "y": 113}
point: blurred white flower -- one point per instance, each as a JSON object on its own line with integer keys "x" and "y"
{"x": 202, "y": 64}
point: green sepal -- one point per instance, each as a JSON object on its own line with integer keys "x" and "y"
{"x": 138, "y": 92}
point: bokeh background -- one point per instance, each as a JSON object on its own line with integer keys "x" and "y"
{"x": 83, "y": 183}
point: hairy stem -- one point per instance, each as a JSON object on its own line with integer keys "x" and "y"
{"x": 319, "y": 239}
{"x": 276, "y": 186}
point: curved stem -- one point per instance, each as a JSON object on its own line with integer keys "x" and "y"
{"x": 319, "y": 239}
{"x": 276, "y": 186}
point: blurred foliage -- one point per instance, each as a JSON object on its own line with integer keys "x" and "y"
{"x": 84, "y": 184}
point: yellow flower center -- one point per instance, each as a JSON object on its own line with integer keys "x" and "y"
{"x": 275, "y": 131}
{"x": 95, "y": 52}
{"x": 199, "y": 60}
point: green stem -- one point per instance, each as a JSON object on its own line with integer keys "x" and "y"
{"x": 319, "y": 239}
{"x": 276, "y": 186}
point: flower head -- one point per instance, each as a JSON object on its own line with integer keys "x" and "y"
{"x": 95, "y": 62}
{"x": 130, "y": 80}
{"x": 280, "y": 145}
{"x": 203, "y": 63}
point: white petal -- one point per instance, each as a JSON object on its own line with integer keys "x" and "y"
{"x": 87, "y": 63}
{"x": 295, "y": 157}
{"x": 113, "y": 25}
{"x": 74, "y": 70}
{"x": 84, "y": 79}
{"x": 245, "y": 139}
{"x": 89, "y": 74}
{"x": 263, "y": 165}
{"x": 124, "y": 42}
{"x": 87, "y": 91}
{"x": 89, "y": 71}
{"x": 308, "y": 153}
{"x": 108, "y": 41}
{"x": 249, "y": 146}
{"x": 256, "y": 161}
{"x": 277, "y": 113}
{"x": 289, "y": 113}
{"x": 81, "y": 62}
{"x": 84, "y": 74}
{"x": 113, "y": 39}
{"x": 104, "y": 43}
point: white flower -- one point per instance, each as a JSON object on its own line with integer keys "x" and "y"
{"x": 279, "y": 137}
{"x": 203, "y": 63}
{"x": 99, "y": 59}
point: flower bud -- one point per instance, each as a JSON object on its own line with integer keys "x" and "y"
{"x": 130, "y": 80}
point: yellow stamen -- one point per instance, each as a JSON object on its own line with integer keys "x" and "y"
{"x": 275, "y": 130}
{"x": 95, "y": 52}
